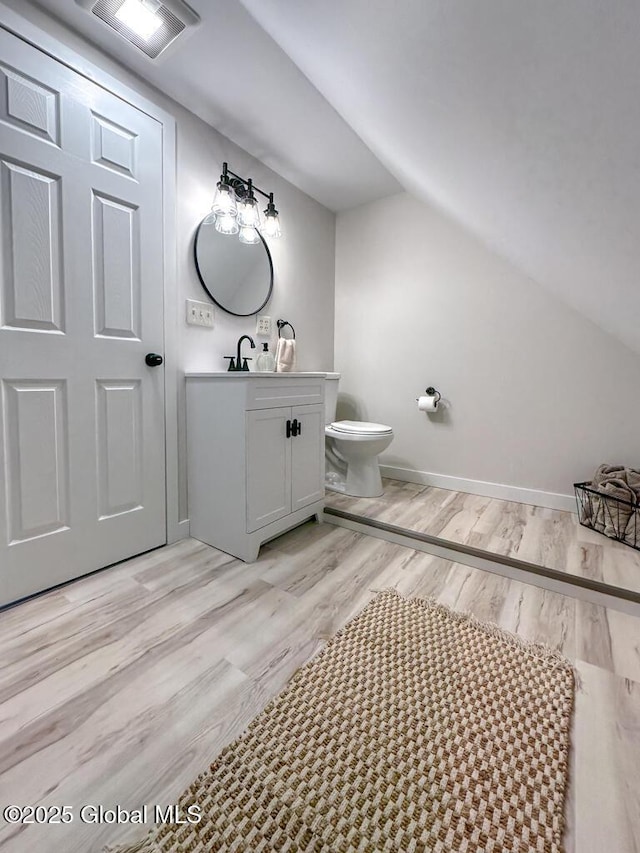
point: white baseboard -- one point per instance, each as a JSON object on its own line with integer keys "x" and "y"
{"x": 552, "y": 500}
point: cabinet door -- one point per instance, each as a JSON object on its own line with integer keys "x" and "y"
{"x": 307, "y": 456}
{"x": 268, "y": 467}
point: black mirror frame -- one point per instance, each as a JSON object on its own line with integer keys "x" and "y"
{"x": 208, "y": 292}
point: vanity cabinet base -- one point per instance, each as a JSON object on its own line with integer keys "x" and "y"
{"x": 247, "y": 545}
{"x": 255, "y": 449}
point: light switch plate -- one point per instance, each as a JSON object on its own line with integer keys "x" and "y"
{"x": 263, "y": 325}
{"x": 199, "y": 314}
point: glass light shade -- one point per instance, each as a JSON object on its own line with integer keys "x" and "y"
{"x": 249, "y": 235}
{"x": 271, "y": 226}
{"x": 224, "y": 200}
{"x": 248, "y": 213}
{"x": 140, "y": 16}
{"x": 210, "y": 219}
{"x": 226, "y": 223}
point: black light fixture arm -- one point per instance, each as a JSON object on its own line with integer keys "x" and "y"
{"x": 246, "y": 184}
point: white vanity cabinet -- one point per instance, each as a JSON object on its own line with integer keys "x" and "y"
{"x": 255, "y": 456}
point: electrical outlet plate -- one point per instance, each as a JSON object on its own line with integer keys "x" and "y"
{"x": 199, "y": 314}
{"x": 263, "y": 325}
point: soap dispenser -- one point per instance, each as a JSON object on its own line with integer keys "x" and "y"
{"x": 265, "y": 362}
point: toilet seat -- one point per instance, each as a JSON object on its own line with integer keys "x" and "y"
{"x": 361, "y": 428}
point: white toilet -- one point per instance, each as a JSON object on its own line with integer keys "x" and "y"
{"x": 352, "y": 449}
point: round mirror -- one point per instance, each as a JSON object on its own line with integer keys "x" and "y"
{"x": 237, "y": 276}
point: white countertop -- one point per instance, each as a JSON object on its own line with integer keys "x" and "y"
{"x": 253, "y": 374}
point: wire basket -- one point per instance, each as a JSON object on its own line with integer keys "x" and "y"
{"x": 613, "y": 517}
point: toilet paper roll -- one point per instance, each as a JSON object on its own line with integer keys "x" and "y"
{"x": 428, "y": 404}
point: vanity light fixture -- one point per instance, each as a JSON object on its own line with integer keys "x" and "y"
{"x": 235, "y": 209}
{"x": 249, "y": 234}
{"x": 226, "y": 223}
{"x": 248, "y": 211}
{"x": 271, "y": 226}
{"x": 225, "y": 198}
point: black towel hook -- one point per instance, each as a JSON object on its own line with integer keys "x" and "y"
{"x": 281, "y": 324}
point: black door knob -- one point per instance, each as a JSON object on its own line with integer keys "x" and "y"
{"x": 153, "y": 359}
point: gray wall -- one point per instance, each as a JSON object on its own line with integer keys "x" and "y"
{"x": 538, "y": 395}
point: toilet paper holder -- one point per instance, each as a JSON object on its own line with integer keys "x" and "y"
{"x": 431, "y": 392}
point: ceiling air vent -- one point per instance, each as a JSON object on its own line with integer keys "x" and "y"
{"x": 151, "y": 25}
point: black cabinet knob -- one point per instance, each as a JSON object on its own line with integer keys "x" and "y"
{"x": 153, "y": 359}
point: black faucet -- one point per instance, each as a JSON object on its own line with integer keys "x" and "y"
{"x": 236, "y": 365}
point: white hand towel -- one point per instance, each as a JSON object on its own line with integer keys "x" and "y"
{"x": 285, "y": 356}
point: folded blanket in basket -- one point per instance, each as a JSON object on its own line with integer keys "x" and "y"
{"x": 606, "y": 472}
{"x": 611, "y": 517}
{"x": 617, "y": 512}
{"x": 609, "y": 473}
{"x": 632, "y": 478}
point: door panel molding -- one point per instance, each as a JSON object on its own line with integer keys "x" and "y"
{"x": 119, "y": 445}
{"x": 113, "y": 146}
{"x": 116, "y": 277}
{"x": 35, "y": 414}
{"x": 31, "y": 223}
{"x": 29, "y": 105}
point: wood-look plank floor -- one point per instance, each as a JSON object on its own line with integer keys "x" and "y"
{"x": 119, "y": 688}
{"x": 551, "y": 538}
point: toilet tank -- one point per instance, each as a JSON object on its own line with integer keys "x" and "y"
{"x": 330, "y": 397}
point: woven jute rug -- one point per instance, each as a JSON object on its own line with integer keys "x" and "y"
{"x": 416, "y": 729}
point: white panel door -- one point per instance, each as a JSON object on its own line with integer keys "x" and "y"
{"x": 82, "y": 480}
{"x": 268, "y": 467}
{"x": 307, "y": 456}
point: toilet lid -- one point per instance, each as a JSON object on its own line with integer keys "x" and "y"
{"x": 361, "y": 428}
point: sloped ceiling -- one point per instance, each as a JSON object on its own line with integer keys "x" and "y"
{"x": 520, "y": 119}
{"x": 234, "y": 76}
